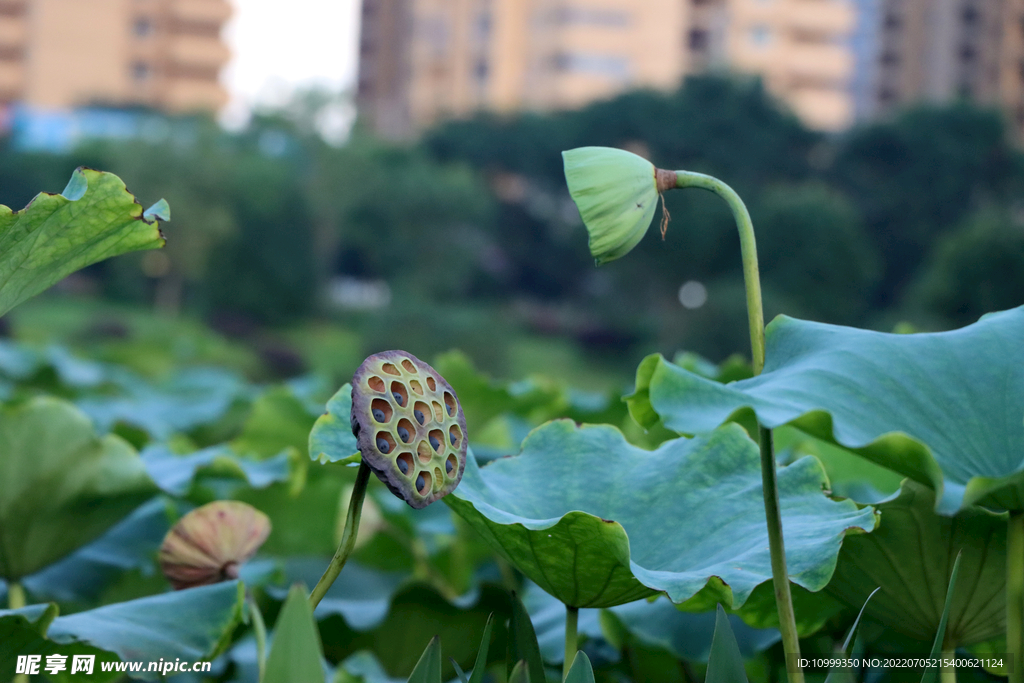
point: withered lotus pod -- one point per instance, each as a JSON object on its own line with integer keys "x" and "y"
{"x": 410, "y": 426}
{"x": 211, "y": 543}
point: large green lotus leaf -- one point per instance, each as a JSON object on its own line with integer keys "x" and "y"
{"x": 56, "y": 234}
{"x": 130, "y": 544}
{"x": 193, "y": 624}
{"x": 910, "y": 556}
{"x": 597, "y": 522}
{"x": 945, "y": 409}
{"x": 23, "y": 632}
{"x": 61, "y": 485}
{"x": 192, "y": 397}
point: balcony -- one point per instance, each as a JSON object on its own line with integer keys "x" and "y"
{"x": 13, "y": 31}
{"x": 198, "y": 51}
{"x": 200, "y": 11}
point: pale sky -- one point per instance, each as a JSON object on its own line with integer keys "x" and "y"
{"x": 280, "y": 46}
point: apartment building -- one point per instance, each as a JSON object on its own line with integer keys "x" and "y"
{"x": 939, "y": 50}
{"x": 61, "y": 54}
{"x": 425, "y": 60}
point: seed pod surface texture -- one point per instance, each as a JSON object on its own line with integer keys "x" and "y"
{"x": 410, "y": 426}
{"x": 211, "y": 543}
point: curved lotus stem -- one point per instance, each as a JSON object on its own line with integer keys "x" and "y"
{"x": 617, "y": 194}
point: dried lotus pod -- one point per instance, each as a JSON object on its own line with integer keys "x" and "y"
{"x": 410, "y": 426}
{"x": 210, "y": 543}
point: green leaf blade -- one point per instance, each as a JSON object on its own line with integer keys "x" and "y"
{"x": 725, "y": 664}
{"x": 295, "y": 655}
{"x": 428, "y": 668}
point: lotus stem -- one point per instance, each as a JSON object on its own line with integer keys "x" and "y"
{"x": 15, "y": 595}
{"x": 16, "y": 600}
{"x": 948, "y": 673}
{"x": 259, "y": 628}
{"x": 348, "y": 537}
{"x": 755, "y": 318}
{"x": 572, "y": 617}
{"x": 1015, "y": 596}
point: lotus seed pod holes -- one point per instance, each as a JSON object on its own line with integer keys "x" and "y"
{"x": 409, "y": 425}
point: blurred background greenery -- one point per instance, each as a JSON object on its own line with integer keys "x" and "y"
{"x": 305, "y": 256}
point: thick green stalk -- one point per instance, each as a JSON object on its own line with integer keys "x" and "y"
{"x": 948, "y": 673}
{"x": 16, "y": 600}
{"x": 1015, "y": 596}
{"x": 348, "y": 537}
{"x": 15, "y": 595}
{"x": 755, "y": 318}
{"x": 572, "y": 616}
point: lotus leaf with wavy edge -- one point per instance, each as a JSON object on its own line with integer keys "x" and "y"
{"x": 597, "y": 522}
{"x": 945, "y": 409}
{"x": 56, "y": 234}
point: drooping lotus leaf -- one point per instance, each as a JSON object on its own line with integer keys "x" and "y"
{"x": 616, "y": 194}
{"x": 61, "y": 485}
{"x": 409, "y": 426}
{"x": 945, "y": 409}
{"x": 597, "y": 522}
{"x": 56, "y": 234}
{"x": 910, "y": 557}
{"x": 211, "y": 543}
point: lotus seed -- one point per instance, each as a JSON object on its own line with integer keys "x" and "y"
{"x": 378, "y": 415}
{"x": 452, "y": 437}
{"x": 403, "y": 465}
{"x": 448, "y": 466}
{"x": 398, "y": 398}
{"x": 434, "y": 443}
{"x": 419, "y": 482}
{"x": 383, "y": 446}
{"x": 403, "y": 434}
{"x": 451, "y": 411}
{"x": 419, "y": 416}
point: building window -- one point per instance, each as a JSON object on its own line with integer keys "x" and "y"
{"x": 611, "y": 66}
{"x": 142, "y": 27}
{"x": 579, "y": 16}
{"x": 698, "y": 40}
{"x": 760, "y": 35}
{"x": 481, "y": 70}
{"x": 141, "y": 72}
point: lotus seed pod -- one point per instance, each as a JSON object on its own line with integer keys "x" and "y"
{"x": 401, "y": 411}
{"x": 211, "y": 543}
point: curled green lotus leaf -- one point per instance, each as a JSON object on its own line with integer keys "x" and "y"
{"x": 598, "y": 522}
{"x": 616, "y": 194}
{"x": 945, "y": 409}
{"x": 409, "y": 426}
{"x": 56, "y": 234}
{"x": 911, "y": 553}
{"x": 61, "y": 484}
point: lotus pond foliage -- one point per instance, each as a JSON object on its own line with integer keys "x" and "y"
{"x": 689, "y": 529}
